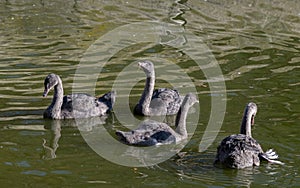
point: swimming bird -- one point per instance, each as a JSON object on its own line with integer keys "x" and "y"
{"x": 157, "y": 102}
{"x": 76, "y": 105}
{"x": 241, "y": 150}
{"x": 151, "y": 132}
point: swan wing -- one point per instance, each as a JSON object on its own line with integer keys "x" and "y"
{"x": 170, "y": 98}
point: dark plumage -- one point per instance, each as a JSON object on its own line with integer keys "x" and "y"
{"x": 77, "y": 105}
{"x": 157, "y": 102}
{"x": 151, "y": 132}
{"x": 241, "y": 150}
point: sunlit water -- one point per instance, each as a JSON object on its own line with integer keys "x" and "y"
{"x": 256, "y": 44}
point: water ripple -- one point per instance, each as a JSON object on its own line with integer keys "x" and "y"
{"x": 256, "y": 44}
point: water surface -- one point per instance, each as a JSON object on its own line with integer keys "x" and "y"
{"x": 256, "y": 44}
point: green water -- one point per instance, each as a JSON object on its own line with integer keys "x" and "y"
{"x": 256, "y": 44}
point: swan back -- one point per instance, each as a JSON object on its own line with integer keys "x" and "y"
{"x": 169, "y": 98}
{"x": 148, "y": 133}
{"x": 239, "y": 151}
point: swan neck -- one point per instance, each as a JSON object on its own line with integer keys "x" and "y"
{"x": 181, "y": 120}
{"x": 246, "y": 123}
{"x": 55, "y": 107}
{"x": 147, "y": 94}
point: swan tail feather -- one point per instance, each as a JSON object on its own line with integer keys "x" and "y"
{"x": 276, "y": 162}
{"x": 270, "y": 156}
{"x": 108, "y": 98}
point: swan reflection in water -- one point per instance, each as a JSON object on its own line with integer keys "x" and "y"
{"x": 55, "y": 126}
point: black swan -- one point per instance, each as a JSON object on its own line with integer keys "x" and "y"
{"x": 151, "y": 132}
{"x": 157, "y": 102}
{"x": 241, "y": 150}
{"x": 74, "y": 105}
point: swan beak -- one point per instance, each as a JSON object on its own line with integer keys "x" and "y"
{"x": 140, "y": 65}
{"x": 45, "y": 93}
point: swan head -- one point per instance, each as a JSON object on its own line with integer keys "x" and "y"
{"x": 148, "y": 67}
{"x": 190, "y": 99}
{"x": 248, "y": 119}
{"x": 50, "y": 81}
{"x": 250, "y": 111}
